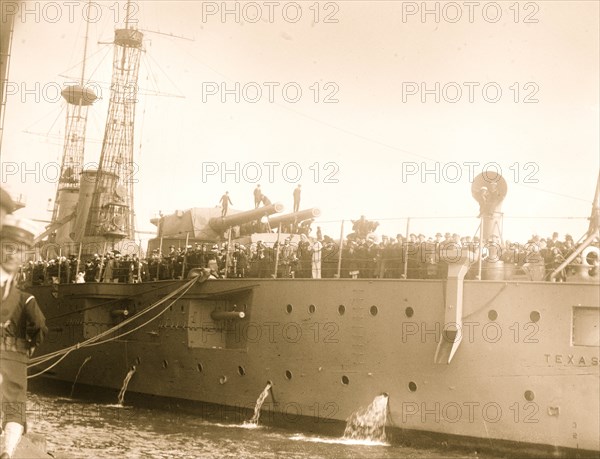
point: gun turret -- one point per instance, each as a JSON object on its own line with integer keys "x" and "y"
{"x": 295, "y": 217}
{"x": 220, "y": 224}
{"x": 202, "y": 224}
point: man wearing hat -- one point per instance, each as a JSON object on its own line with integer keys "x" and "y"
{"x": 316, "y": 248}
{"x": 22, "y": 329}
{"x": 225, "y": 201}
{"x": 7, "y": 206}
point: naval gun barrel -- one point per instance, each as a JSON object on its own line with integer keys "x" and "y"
{"x": 222, "y": 223}
{"x": 295, "y": 217}
{"x": 227, "y": 315}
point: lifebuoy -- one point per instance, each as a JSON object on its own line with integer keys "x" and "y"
{"x": 588, "y": 254}
{"x": 587, "y": 259}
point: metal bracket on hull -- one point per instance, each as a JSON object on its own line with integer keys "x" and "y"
{"x": 459, "y": 263}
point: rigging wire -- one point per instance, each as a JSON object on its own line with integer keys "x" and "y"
{"x": 150, "y": 69}
{"x": 50, "y": 112}
{"x": 551, "y": 192}
{"x": 77, "y": 66}
{"x": 62, "y": 110}
{"x": 372, "y": 140}
{"x": 107, "y": 50}
{"x": 98, "y": 339}
{"x": 99, "y": 305}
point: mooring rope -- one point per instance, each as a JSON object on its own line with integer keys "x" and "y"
{"x": 98, "y": 339}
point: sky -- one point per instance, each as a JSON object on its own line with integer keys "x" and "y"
{"x": 388, "y": 110}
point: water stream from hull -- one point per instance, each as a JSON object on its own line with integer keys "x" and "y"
{"x": 87, "y": 359}
{"x": 368, "y": 423}
{"x": 125, "y": 383}
{"x": 259, "y": 403}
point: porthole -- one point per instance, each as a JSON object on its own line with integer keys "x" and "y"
{"x": 241, "y": 370}
{"x": 289, "y": 308}
{"x": 374, "y": 310}
{"x": 165, "y": 363}
{"x": 345, "y": 380}
{"x": 529, "y": 395}
{"x": 492, "y": 314}
{"x": 409, "y": 312}
{"x": 200, "y": 368}
{"x": 288, "y": 374}
{"x": 341, "y": 309}
{"x": 312, "y": 308}
{"x": 412, "y": 386}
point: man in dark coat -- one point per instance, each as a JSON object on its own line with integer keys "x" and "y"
{"x": 22, "y": 329}
{"x": 225, "y": 201}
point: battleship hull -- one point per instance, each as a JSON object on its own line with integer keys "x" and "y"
{"x": 526, "y": 370}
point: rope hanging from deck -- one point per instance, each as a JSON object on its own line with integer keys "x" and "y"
{"x": 98, "y": 339}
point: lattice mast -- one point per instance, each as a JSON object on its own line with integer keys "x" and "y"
{"x": 79, "y": 99}
{"x": 111, "y": 214}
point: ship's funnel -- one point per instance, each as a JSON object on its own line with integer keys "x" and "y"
{"x": 86, "y": 192}
{"x": 223, "y": 223}
{"x": 295, "y": 217}
{"x": 489, "y": 190}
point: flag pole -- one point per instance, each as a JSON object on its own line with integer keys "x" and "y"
{"x": 339, "y": 267}
{"x": 277, "y": 252}
{"x": 405, "y": 251}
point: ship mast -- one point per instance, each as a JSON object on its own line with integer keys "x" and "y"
{"x": 78, "y": 100}
{"x": 111, "y": 214}
{"x": 7, "y": 19}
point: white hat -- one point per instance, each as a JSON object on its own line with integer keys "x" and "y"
{"x": 18, "y": 230}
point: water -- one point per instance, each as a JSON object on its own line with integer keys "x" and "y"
{"x": 87, "y": 359}
{"x": 259, "y": 404}
{"x": 77, "y": 429}
{"x": 121, "y": 396}
{"x": 369, "y": 423}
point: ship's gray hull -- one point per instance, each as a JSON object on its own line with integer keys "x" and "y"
{"x": 525, "y": 371}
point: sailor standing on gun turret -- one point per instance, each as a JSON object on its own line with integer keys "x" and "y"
{"x": 297, "y": 192}
{"x": 225, "y": 201}
{"x": 257, "y": 196}
{"x": 22, "y": 329}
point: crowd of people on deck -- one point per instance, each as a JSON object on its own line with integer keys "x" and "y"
{"x": 363, "y": 256}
